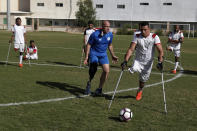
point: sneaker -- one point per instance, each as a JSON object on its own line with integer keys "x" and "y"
{"x": 98, "y": 91}
{"x": 20, "y": 65}
{"x": 173, "y": 71}
{"x": 87, "y": 91}
{"x": 139, "y": 95}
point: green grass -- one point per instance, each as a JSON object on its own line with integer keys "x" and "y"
{"x": 41, "y": 82}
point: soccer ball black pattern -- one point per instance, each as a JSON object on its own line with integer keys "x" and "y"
{"x": 125, "y": 114}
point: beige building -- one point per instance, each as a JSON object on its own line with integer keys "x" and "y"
{"x": 18, "y": 8}
{"x": 52, "y": 12}
{"x": 39, "y": 14}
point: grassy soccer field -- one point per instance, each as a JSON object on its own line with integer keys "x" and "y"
{"x": 48, "y": 94}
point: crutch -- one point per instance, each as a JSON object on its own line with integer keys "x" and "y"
{"x": 115, "y": 88}
{"x": 164, "y": 95}
{"x": 162, "y": 80}
{"x": 29, "y": 56}
{"x": 8, "y": 53}
{"x": 82, "y": 57}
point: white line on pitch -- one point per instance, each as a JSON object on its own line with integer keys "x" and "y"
{"x": 72, "y": 97}
{"x": 56, "y": 65}
{"x": 82, "y": 96}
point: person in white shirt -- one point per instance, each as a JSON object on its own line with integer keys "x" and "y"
{"x": 144, "y": 46}
{"x": 88, "y": 31}
{"x": 19, "y": 32}
{"x": 175, "y": 39}
{"x": 32, "y": 51}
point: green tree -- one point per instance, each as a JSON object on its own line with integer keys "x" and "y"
{"x": 85, "y": 13}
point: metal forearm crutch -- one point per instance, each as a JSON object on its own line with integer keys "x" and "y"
{"x": 8, "y": 53}
{"x": 115, "y": 88}
{"x": 164, "y": 95}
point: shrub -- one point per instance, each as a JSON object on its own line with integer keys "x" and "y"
{"x": 124, "y": 30}
{"x": 159, "y": 32}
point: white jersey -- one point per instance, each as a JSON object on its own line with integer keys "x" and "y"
{"x": 32, "y": 52}
{"x": 87, "y": 34}
{"x": 145, "y": 47}
{"x": 176, "y": 36}
{"x": 19, "y": 32}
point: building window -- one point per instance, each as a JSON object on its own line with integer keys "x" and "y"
{"x": 5, "y": 21}
{"x": 29, "y": 21}
{"x": 40, "y": 4}
{"x": 99, "y": 6}
{"x": 121, "y": 6}
{"x": 59, "y": 4}
{"x": 56, "y": 23}
{"x": 144, "y": 3}
{"x": 168, "y": 4}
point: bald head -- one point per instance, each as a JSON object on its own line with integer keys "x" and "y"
{"x": 105, "y": 26}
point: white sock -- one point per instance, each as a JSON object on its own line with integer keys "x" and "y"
{"x": 20, "y": 59}
{"x": 176, "y": 65}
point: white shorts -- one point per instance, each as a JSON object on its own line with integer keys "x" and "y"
{"x": 19, "y": 46}
{"x": 175, "y": 50}
{"x": 143, "y": 69}
{"x": 32, "y": 57}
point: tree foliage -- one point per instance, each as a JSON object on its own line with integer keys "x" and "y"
{"x": 85, "y": 13}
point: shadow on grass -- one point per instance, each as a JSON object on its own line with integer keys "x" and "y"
{"x": 10, "y": 64}
{"x": 61, "y": 63}
{"x": 189, "y": 72}
{"x": 126, "y": 97}
{"x": 109, "y": 97}
{"x": 117, "y": 119}
{"x": 73, "y": 89}
{"x": 106, "y": 96}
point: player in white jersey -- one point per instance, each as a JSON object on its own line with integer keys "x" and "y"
{"x": 175, "y": 39}
{"x": 32, "y": 51}
{"x": 18, "y": 36}
{"x": 144, "y": 44}
{"x": 88, "y": 31}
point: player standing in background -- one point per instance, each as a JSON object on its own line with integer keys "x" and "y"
{"x": 175, "y": 39}
{"x": 88, "y": 31}
{"x": 144, "y": 44}
{"x": 19, "y": 32}
{"x": 97, "y": 46}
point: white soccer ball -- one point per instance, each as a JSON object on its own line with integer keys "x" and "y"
{"x": 126, "y": 114}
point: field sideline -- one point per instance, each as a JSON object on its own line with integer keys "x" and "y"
{"x": 48, "y": 94}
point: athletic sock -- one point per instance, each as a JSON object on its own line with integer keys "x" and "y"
{"x": 176, "y": 65}
{"x": 20, "y": 59}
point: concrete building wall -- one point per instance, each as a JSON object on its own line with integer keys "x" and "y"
{"x": 179, "y": 11}
{"x": 14, "y": 5}
{"x": 24, "y": 5}
{"x": 51, "y": 11}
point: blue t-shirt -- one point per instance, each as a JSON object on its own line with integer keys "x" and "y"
{"x": 99, "y": 43}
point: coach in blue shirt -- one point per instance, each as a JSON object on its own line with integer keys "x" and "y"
{"x": 97, "y": 46}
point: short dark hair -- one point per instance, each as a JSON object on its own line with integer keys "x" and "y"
{"x": 144, "y": 24}
{"x": 90, "y": 22}
{"x": 18, "y": 18}
{"x": 31, "y": 41}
